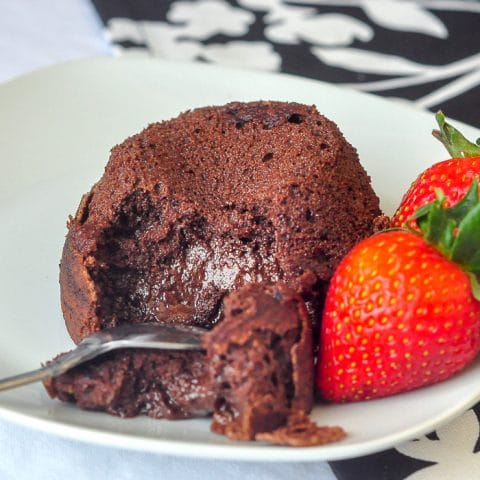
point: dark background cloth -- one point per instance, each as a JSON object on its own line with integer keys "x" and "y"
{"x": 414, "y": 41}
{"x": 428, "y": 35}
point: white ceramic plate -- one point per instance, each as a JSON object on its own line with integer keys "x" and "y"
{"x": 56, "y": 129}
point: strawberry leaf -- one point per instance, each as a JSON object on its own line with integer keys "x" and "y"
{"x": 456, "y": 144}
{"x": 436, "y": 226}
{"x": 466, "y": 247}
{"x": 460, "y": 209}
{"x": 475, "y": 284}
{"x": 454, "y": 231}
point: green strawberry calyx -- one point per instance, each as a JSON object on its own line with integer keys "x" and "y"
{"x": 456, "y": 144}
{"x": 454, "y": 231}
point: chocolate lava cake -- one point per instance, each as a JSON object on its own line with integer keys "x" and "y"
{"x": 255, "y": 376}
{"x": 195, "y": 207}
{"x": 231, "y": 218}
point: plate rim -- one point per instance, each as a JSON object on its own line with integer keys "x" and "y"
{"x": 235, "y": 450}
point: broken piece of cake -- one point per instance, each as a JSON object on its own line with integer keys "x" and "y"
{"x": 255, "y": 376}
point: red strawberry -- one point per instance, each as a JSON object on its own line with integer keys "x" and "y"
{"x": 400, "y": 313}
{"x": 453, "y": 176}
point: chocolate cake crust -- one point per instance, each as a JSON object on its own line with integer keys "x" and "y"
{"x": 195, "y": 207}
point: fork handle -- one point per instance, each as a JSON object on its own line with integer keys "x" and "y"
{"x": 126, "y": 336}
{"x": 54, "y": 368}
{"x": 38, "y": 375}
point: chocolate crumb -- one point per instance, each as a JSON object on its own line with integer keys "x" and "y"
{"x": 301, "y": 431}
{"x": 380, "y": 223}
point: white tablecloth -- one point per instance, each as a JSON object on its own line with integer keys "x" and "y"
{"x": 30, "y": 455}
{"x": 34, "y": 34}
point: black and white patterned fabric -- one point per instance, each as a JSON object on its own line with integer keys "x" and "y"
{"x": 424, "y": 51}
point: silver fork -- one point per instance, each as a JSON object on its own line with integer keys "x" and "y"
{"x": 142, "y": 335}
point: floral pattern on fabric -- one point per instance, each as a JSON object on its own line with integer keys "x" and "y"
{"x": 425, "y": 51}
